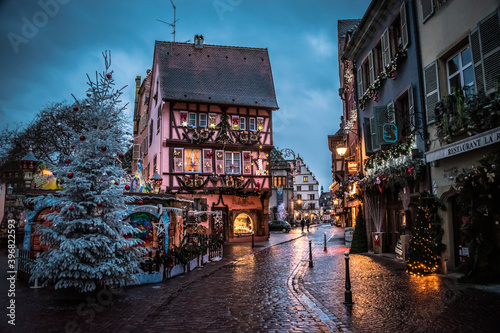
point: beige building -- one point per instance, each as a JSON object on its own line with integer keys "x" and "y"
{"x": 460, "y": 52}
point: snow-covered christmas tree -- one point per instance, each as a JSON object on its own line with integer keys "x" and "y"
{"x": 89, "y": 243}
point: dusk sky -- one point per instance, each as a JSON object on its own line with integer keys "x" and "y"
{"x": 46, "y": 54}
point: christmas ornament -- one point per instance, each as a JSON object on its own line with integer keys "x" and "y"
{"x": 67, "y": 161}
{"x": 121, "y": 156}
{"x": 31, "y": 203}
{"x": 108, "y": 76}
{"x": 75, "y": 108}
{"x": 70, "y": 175}
{"x": 71, "y": 208}
{"x": 89, "y": 94}
{"x": 82, "y": 138}
{"x": 103, "y": 148}
{"x": 116, "y": 183}
{"x": 127, "y": 187}
{"x": 99, "y": 204}
{"x": 72, "y": 147}
{"x": 140, "y": 202}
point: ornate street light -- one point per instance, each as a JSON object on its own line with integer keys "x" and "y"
{"x": 28, "y": 164}
{"x": 9, "y": 189}
{"x": 157, "y": 181}
{"x": 341, "y": 149}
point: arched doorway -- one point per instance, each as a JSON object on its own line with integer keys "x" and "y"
{"x": 243, "y": 225}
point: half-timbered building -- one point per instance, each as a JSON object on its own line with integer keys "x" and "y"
{"x": 209, "y": 135}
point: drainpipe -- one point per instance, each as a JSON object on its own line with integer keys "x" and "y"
{"x": 421, "y": 88}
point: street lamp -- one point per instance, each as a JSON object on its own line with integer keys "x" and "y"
{"x": 157, "y": 181}
{"x": 9, "y": 189}
{"x": 28, "y": 164}
{"x": 341, "y": 149}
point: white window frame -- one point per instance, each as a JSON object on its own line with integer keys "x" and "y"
{"x": 461, "y": 69}
{"x": 194, "y": 119}
{"x": 243, "y": 123}
{"x": 230, "y": 159}
{"x": 203, "y": 120}
{"x": 254, "y": 126}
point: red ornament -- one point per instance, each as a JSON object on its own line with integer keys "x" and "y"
{"x": 70, "y": 175}
{"x": 82, "y": 138}
{"x": 116, "y": 183}
{"x": 75, "y": 108}
{"x": 120, "y": 156}
{"x": 31, "y": 203}
{"x": 140, "y": 202}
{"x": 71, "y": 208}
{"x": 103, "y": 148}
{"x": 99, "y": 204}
{"x": 108, "y": 76}
{"x": 72, "y": 147}
{"x": 67, "y": 161}
{"x": 127, "y": 187}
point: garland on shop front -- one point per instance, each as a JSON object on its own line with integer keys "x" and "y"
{"x": 403, "y": 148}
{"x": 388, "y": 72}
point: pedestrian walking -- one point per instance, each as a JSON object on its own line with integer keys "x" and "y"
{"x": 302, "y": 224}
{"x": 308, "y": 223}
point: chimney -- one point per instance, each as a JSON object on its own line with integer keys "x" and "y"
{"x": 198, "y": 41}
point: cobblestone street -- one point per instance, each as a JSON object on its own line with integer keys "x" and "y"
{"x": 271, "y": 288}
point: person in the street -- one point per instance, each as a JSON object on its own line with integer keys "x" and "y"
{"x": 308, "y": 223}
{"x": 302, "y": 224}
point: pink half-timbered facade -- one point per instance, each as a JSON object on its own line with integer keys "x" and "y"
{"x": 209, "y": 130}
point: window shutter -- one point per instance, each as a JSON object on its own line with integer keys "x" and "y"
{"x": 247, "y": 163}
{"x": 367, "y": 134}
{"x": 489, "y": 36}
{"x": 207, "y": 161}
{"x": 427, "y": 9}
{"x": 178, "y": 160}
{"x": 477, "y": 60}
{"x": 360, "y": 82}
{"x": 431, "y": 90}
{"x": 386, "y": 48}
{"x": 370, "y": 66}
{"x": 411, "y": 110}
{"x": 391, "y": 113}
{"x": 404, "y": 25}
{"x": 136, "y": 152}
{"x": 380, "y": 114}
{"x": 219, "y": 161}
{"x": 373, "y": 135}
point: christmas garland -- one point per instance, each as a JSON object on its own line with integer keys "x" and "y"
{"x": 403, "y": 148}
{"x": 389, "y": 71}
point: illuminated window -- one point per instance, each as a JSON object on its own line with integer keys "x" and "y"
{"x": 306, "y": 179}
{"x": 243, "y": 224}
{"x": 192, "y": 160}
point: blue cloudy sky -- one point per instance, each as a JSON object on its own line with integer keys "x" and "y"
{"x": 48, "y": 46}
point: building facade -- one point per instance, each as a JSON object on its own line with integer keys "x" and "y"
{"x": 281, "y": 200}
{"x": 209, "y": 131}
{"x": 384, "y": 50}
{"x": 306, "y": 189}
{"x": 460, "y": 76}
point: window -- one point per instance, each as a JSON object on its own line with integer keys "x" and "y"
{"x": 299, "y": 188}
{"x": 203, "y": 120}
{"x": 395, "y": 36}
{"x": 311, "y": 196}
{"x": 154, "y": 163}
{"x": 377, "y": 55}
{"x": 192, "y": 120}
{"x": 311, "y": 187}
{"x": 243, "y": 123}
{"x": 293, "y": 179}
{"x": 252, "y": 125}
{"x": 299, "y": 196}
{"x": 192, "y": 160}
{"x": 460, "y": 71}
{"x": 233, "y": 163}
{"x": 279, "y": 181}
{"x": 306, "y": 179}
{"x": 312, "y": 206}
{"x": 151, "y": 132}
{"x": 158, "y": 120}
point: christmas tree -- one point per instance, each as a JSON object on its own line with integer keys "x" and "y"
{"x": 359, "y": 242}
{"x": 425, "y": 244}
{"x": 89, "y": 243}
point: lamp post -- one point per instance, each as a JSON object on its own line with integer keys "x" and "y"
{"x": 157, "y": 181}
{"x": 341, "y": 150}
{"x": 348, "y": 293}
{"x": 9, "y": 189}
{"x": 28, "y": 164}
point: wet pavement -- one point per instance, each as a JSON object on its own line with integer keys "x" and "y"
{"x": 270, "y": 288}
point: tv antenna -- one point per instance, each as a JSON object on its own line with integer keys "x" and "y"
{"x": 171, "y": 24}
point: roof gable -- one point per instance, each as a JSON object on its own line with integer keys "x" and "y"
{"x": 215, "y": 74}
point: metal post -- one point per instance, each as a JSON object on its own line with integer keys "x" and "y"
{"x": 325, "y": 241}
{"x": 348, "y": 293}
{"x": 253, "y": 239}
{"x": 310, "y": 255}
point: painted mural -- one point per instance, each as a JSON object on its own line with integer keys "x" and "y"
{"x": 139, "y": 183}
{"x": 143, "y": 222}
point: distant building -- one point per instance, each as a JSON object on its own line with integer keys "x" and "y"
{"x": 281, "y": 201}
{"x": 325, "y": 205}
{"x": 306, "y": 193}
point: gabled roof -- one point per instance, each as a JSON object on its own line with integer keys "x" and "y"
{"x": 344, "y": 27}
{"x": 215, "y": 74}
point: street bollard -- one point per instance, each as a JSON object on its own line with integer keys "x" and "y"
{"x": 348, "y": 294}
{"x": 253, "y": 240}
{"x": 325, "y": 242}
{"x": 310, "y": 255}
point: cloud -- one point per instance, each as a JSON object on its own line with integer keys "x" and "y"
{"x": 321, "y": 44}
